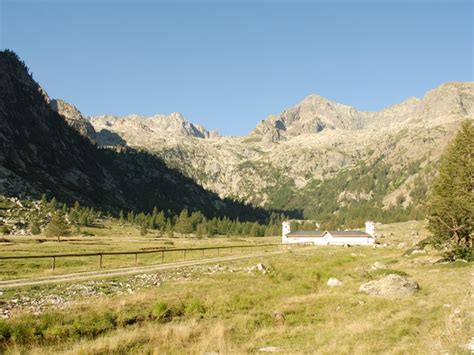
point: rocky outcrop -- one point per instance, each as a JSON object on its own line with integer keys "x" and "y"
{"x": 151, "y": 128}
{"x": 391, "y": 286}
{"x": 74, "y": 118}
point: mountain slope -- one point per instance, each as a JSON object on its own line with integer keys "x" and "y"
{"x": 281, "y": 163}
{"x": 41, "y": 153}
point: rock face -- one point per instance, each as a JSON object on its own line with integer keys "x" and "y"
{"x": 391, "y": 286}
{"x": 159, "y": 126}
{"x": 74, "y": 118}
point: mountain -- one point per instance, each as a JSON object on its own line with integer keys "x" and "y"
{"x": 321, "y": 158}
{"x": 173, "y": 125}
{"x": 46, "y": 146}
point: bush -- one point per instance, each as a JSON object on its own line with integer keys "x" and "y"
{"x": 164, "y": 312}
{"x": 194, "y": 307}
{"x": 4, "y": 229}
{"x": 5, "y": 331}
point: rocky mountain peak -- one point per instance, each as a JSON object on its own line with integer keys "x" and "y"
{"x": 172, "y": 126}
{"x": 74, "y": 118}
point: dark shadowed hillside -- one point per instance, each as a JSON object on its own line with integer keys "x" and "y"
{"x": 40, "y": 153}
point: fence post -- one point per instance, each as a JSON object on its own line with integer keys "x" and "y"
{"x": 136, "y": 258}
{"x": 184, "y": 254}
{"x": 162, "y": 256}
{"x": 203, "y": 252}
{"x": 218, "y": 251}
{"x": 100, "y": 261}
{"x": 54, "y": 263}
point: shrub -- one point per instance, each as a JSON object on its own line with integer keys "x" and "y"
{"x": 195, "y": 307}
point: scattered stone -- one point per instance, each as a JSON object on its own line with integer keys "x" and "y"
{"x": 402, "y": 245}
{"x": 391, "y": 286}
{"x": 279, "y": 317}
{"x": 378, "y": 265}
{"x": 262, "y": 268}
{"x": 334, "y": 282}
{"x": 418, "y": 251}
{"x": 470, "y": 345}
{"x": 269, "y": 349}
{"x": 361, "y": 303}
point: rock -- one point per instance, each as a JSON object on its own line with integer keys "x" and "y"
{"x": 262, "y": 268}
{"x": 279, "y": 317}
{"x": 378, "y": 265}
{"x": 391, "y": 286}
{"x": 269, "y": 349}
{"x": 334, "y": 282}
{"x": 346, "y": 245}
{"x": 470, "y": 345}
{"x": 402, "y": 245}
{"x": 418, "y": 251}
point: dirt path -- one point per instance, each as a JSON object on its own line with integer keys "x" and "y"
{"x": 80, "y": 276}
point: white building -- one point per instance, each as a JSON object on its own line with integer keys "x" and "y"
{"x": 351, "y": 237}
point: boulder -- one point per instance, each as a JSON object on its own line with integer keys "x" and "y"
{"x": 334, "y": 282}
{"x": 378, "y": 265}
{"x": 391, "y": 286}
{"x": 402, "y": 245}
{"x": 269, "y": 349}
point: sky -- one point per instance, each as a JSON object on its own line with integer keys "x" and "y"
{"x": 229, "y": 64}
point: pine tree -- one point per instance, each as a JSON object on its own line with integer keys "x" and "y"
{"x": 143, "y": 230}
{"x": 57, "y": 227}
{"x": 183, "y": 223}
{"x": 451, "y": 203}
{"x": 35, "y": 227}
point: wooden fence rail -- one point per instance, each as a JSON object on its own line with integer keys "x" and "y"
{"x": 101, "y": 255}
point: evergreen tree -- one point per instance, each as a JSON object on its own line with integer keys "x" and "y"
{"x": 53, "y": 204}
{"x": 143, "y": 230}
{"x": 183, "y": 223}
{"x": 451, "y": 203}
{"x": 121, "y": 217}
{"x": 57, "y": 227}
{"x": 35, "y": 227}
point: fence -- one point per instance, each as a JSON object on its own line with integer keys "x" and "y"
{"x": 185, "y": 251}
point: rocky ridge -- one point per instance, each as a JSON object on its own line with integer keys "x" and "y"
{"x": 313, "y": 141}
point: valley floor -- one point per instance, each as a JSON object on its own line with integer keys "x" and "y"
{"x": 234, "y": 308}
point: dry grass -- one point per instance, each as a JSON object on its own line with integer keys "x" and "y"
{"x": 238, "y": 315}
{"x": 109, "y": 237}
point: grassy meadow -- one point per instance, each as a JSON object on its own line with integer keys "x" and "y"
{"x": 290, "y": 308}
{"x": 108, "y": 236}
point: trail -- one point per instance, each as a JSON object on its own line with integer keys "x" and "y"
{"x": 99, "y": 274}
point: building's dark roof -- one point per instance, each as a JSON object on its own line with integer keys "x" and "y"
{"x": 336, "y": 234}
{"x": 306, "y": 234}
{"x": 348, "y": 234}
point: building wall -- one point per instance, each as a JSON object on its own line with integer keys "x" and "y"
{"x": 329, "y": 240}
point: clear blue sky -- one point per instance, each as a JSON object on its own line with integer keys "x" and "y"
{"x": 229, "y": 64}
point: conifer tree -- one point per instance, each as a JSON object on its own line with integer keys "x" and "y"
{"x": 57, "y": 227}
{"x": 183, "y": 223}
{"x": 451, "y": 203}
{"x": 35, "y": 227}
